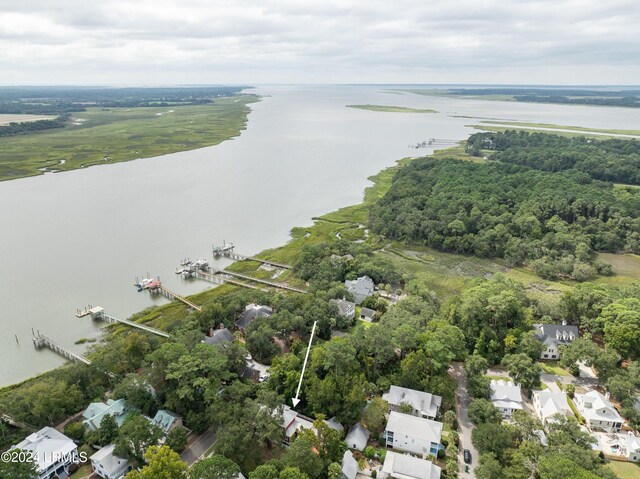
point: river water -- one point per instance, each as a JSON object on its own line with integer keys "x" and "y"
{"x": 80, "y": 237}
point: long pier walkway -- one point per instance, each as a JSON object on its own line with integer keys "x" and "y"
{"x": 225, "y": 274}
{"x": 175, "y": 296}
{"x": 215, "y": 279}
{"x": 15, "y": 423}
{"x": 97, "y": 314}
{"x": 42, "y": 341}
{"x": 226, "y": 251}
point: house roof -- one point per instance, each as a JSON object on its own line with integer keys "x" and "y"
{"x": 367, "y": 312}
{"x": 552, "y": 403}
{"x": 47, "y": 445}
{"x": 505, "y": 394}
{"x": 344, "y": 306}
{"x": 404, "y": 466}
{"x": 164, "y": 419}
{"x": 293, "y": 422}
{"x": 363, "y": 286}
{"x": 334, "y": 424}
{"x": 426, "y": 403}
{"x": 97, "y": 410}
{"x": 349, "y": 465}
{"x": 110, "y": 462}
{"x": 357, "y": 437}
{"x": 251, "y": 312}
{"x": 632, "y": 443}
{"x": 220, "y": 336}
{"x": 416, "y": 427}
{"x": 600, "y": 408}
{"x": 556, "y": 333}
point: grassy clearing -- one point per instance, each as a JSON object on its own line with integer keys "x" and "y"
{"x": 569, "y": 134}
{"x": 103, "y": 136}
{"x": 625, "y": 470}
{"x": 551, "y": 368}
{"x": 551, "y": 126}
{"x": 391, "y": 109}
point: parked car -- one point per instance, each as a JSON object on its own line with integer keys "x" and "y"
{"x": 467, "y": 456}
{"x": 263, "y": 378}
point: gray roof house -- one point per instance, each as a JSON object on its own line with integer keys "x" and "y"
{"x": 367, "y": 314}
{"x": 219, "y": 336}
{"x": 404, "y": 466}
{"x": 553, "y": 336}
{"x": 167, "y": 420}
{"x": 292, "y": 422}
{"x": 109, "y": 466}
{"x": 251, "y": 312}
{"x": 349, "y": 466}
{"x": 361, "y": 288}
{"x": 334, "y": 424}
{"x": 357, "y": 437}
{"x": 422, "y": 404}
{"x": 412, "y": 434}
{"x": 345, "y": 308}
{"x": 54, "y": 453}
{"x": 506, "y": 397}
{"x": 97, "y": 410}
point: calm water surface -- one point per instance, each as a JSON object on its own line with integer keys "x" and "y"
{"x": 80, "y": 237}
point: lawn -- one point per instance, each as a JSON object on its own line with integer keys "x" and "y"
{"x": 553, "y": 368}
{"x": 391, "y": 109}
{"x": 625, "y": 470}
{"x": 82, "y": 472}
{"x": 102, "y": 136}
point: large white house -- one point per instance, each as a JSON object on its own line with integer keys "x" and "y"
{"x": 548, "y": 403}
{"x": 553, "y": 336}
{"x": 412, "y": 434}
{"x": 404, "y": 466}
{"x": 598, "y": 411}
{"x": 109, "y": 466}
{"x": 632, "y": 447}
{"x": 53, "y": 452}
{"x": 506, "y": 397}
{"x": 422, "y": 404}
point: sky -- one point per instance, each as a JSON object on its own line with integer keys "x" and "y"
{"x": 155, "y": 42}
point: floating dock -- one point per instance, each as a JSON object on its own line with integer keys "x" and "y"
{"x": 227, "y": 251}
{"x": 97, "y": 314}
{"x": 41, "y": 341}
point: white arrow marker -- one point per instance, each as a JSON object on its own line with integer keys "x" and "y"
{"x": 295, "y": 400}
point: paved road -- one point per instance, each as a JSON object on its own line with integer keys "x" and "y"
{"x": 198, "y": 446}
{"x": 462, "y": 405}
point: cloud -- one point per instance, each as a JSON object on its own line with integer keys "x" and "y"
{"x": 257, "y": 41}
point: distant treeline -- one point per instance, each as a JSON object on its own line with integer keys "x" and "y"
{"x": 32, "y": 126}
{"x": 626, "y": 98}
{"x": 60, "y": 100}
{"x": 615, "y": 160}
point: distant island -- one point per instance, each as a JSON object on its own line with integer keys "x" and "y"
{"x": 563, "y": 96}
{"x": 391, "y": 109}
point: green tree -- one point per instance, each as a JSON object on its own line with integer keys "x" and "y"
{"x": 489, "y": 468}
{"x": 18, "y": 470}
{"x": 492, "y": 437}
{"x": 301, "y": 455}
{"x": 108, "y": 431}
{"x": 523, "y": 370}
{"x": 530, "y": 345}
{"x": 215, "y": 467}
{"x": 74, "y": 430}
{"x": 335, "y": 471}
{"x": 483, "y": 411}
{"x": 177, "y": 439}
{"x": 374, "y": 417}
{"x": 134, "y": 437}
{"x": 622, "y": 327}
{"x": 293, "y": 473}
{"x": 162, "y": 463}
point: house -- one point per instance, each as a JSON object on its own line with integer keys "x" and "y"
{"x": 345, "y": 308}
{"x": 506, "y": 397}
{"x": 250, "y": 313}
{"x": 167, "y": 421}
{"x": 361, "y": 288}
{"x": 252, "y": 374}
{"x": 412, "y": 434}
{"x": 349, "y": 466}
{"x": 553, "y": 336}
{"x": 97, "y": 410}
{"x": 422, "y": 404}
{"x": 219, "y": 336}
{"x": 292, "y": 423}
{"x": 357, "y": 437}
{"x": 632, "y": 447}
{"x": 53, "y": 453}
{"x": 404, "y": 466}
{"x": 367, "y": 314}
{"x": 598, "y": 411}
{"x": 334, "y": 424}
{"x": 548, "y": 403}
{"x": 109, "y": 466}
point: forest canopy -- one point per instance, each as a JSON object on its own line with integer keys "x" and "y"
{"x": 551, "y": 221}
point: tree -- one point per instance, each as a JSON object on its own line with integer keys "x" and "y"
{"x": 335, "y": 471}
{"x": 177, "y": 439}
{"x": 523, "y": 370}
{"x": 138, "y": 393}
{"x": 450, "y": 419}
{"x": 18, "y": 470}
{"x": 483, "y": 411}
{"x": 74, "y": 430}
{"x": 622, "y": 327}
{"x": 162, "y": 463}
{"x": 292, "y": 473}
{"x": 215, "y": 467}
{"x": 135, "y": 436}
{"x": 301, "y": 455}
{"x": 108, "y": 430}
{"x": 489, "y": 468}
{"x": 270, "y": 470}
{"x": 531, "y": 345}
{"x": 492, "y": 437}
{"x": 373, "y": 416}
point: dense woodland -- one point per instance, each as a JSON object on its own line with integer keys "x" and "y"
{"x": 551, "y": 221}
{"x": 625, "y": 98}
{"x": 14, "y": 128}
{"x": 612, "y": 160}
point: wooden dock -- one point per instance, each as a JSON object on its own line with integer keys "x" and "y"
{"x": 97, "y": 314}
{"x": 14, "y": 422}
{"x": 215, "y": 279}
{"x": 228, "y": 275}
{"x": 227, "y": 251}
{"x": 166, "y": 292}
{"x": 41, "y": 341}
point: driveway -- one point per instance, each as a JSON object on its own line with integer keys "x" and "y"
{"x": 198, "y": 446}
{"x": 462, "y": 406}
